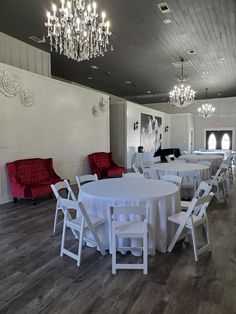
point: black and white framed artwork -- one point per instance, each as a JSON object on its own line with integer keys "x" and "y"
{"x": 151, "y": 132}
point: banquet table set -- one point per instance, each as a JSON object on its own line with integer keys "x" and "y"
{"x": 162, "y": 197}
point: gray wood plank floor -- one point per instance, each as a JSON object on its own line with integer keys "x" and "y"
{"x": 35, "y": 279}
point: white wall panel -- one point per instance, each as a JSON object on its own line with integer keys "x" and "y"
{"x": 21, "y": 55}
{"x": 59, "y": 125}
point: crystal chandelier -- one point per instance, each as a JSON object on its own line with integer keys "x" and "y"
{"x": 206, "y": 110}
{"x": 74, "y": 30}
{"x": 182, "y": 95}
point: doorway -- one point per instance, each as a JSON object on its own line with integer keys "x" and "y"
{"x": 219, "y": 139}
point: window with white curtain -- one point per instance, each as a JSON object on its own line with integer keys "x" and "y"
{"x": 212, "y": 141}
{"x": 225, "y": 142}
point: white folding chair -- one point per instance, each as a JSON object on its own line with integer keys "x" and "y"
{"x": 132, "y": 175}
{"x": 85, "y": 179}
{"x": 79, "y": 225}
{"x": 229, "y": 162}
{"x": 203, "y": 189}
{"x": 149, "y": 172}
{"x": 219, "y": 182}
{"x": 172, "y": 178}
{"x": 135, "y": 168}
{"x": 129, "y": 228}
{"x": 189, "y": 180}
{"x": 194, "y": 217}
{"x": 57, "y": 189}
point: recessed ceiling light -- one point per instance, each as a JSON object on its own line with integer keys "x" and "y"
{"x": 221, "y": 59}
{"x": 90, "y": 78}
{"x": 167, "y": 21}
{"x": 94, "y": 67}
{"x": 219, "y": 94}
{"x": 127, "y": 82}
{"x": 163, "y": 7}
{"x": 205, "y": 72}
{"x": 148, "y": 92}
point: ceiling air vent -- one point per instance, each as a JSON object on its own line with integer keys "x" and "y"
{"x": 178, "y": 64}
{"x": 164, "y": 7}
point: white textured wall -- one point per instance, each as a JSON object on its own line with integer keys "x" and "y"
{"x": 59, "y": 125}
{"x": 21, "y": 55}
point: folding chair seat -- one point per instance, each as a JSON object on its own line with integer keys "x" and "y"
{"x": 82, "y": 223}
{"x": 195, "y": 216}
{"x": 129, "y": 228}
{"x": 203, "y": 189}
{"x": 57, "y": 189}
{"x": 172, "y": 178}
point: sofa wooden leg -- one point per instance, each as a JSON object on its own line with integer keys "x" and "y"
{"x": 15, "y": 200}
{"x": 34, "y": 202}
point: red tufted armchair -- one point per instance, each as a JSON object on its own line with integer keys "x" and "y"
{"x": 31, "y": 178}
{"x": 102, "y": 164}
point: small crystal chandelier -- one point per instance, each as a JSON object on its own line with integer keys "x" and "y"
{"x": 75, "y": 32}
{"x": 206, "y": 110}
{"x": 182, "y": 95}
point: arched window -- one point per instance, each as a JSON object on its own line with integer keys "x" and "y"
{"x": 225, "y": 142}
{"x": 212, "y": 141}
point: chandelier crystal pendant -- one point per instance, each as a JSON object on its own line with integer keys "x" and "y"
{"x": 206, "y": 110}
{"x": 182, "y": 95}
{"x": 74, "y": 30}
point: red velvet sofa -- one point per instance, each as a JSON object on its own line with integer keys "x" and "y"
{"x": 31, "y": 178}
{"x": 102, "y": 164}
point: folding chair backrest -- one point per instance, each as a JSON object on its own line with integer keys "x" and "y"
{"x": 198, "y": 206}
{"x": 62, "y": 186}
{"x": 132, "y": 175}
{"x": 86, "y": 178}
{"x": 203, "y": 189}
{"x": 136, "y": 170}
{"x": 202, "y": 204}
{"x": 189, "y": 178}
{"x": 129, "y": 210}
{"x": 172, "y": 178}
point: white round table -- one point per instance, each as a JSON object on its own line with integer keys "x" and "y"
{"x": 194, "y": 158}
{"x": 162, "y": 197}
{"x": 176, "y": 168}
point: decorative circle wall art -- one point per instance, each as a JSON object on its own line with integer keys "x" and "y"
{"x": 9, "y": 85}
{"x": 26, "y": 98}
{"x": 95, "y": 111}
{"x": 103, "y": 103}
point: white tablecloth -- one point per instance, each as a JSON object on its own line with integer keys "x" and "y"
{"x": 143, "y": 159}
{"x": 162, "y": 197}
{"x": 176, "y": 168}
{"x": 215, "y": 159}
